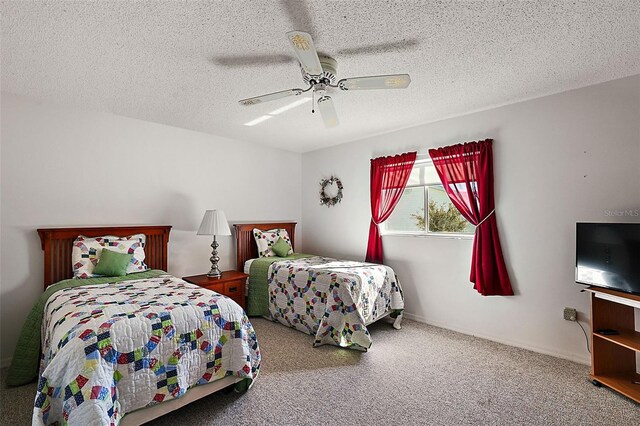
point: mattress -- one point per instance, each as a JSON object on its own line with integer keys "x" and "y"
{"x": 247, "y": 266}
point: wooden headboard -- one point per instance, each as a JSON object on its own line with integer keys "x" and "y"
{"x": 246, "y": 245}
{"x": 57, "y": 244}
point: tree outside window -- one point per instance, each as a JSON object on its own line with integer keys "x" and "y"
{"x": 423, "y": 195}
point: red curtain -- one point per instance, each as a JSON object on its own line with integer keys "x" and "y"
{"x": 389, "y": 176}
{"x": 466, "y": 172}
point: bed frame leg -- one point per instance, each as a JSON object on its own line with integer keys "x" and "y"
{"x": 398, "y": 321}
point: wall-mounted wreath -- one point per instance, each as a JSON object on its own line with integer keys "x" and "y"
{"x": 327, "y": 199}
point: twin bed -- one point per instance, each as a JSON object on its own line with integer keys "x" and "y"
{"x": 125, "y": 350}
{"x": 129, "y": 349}
{"x": 330, "y": 299}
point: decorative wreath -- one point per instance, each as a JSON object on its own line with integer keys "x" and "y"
{"x": 324, "y": 198}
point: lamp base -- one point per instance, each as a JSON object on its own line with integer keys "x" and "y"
{"x": 214, "y": 272}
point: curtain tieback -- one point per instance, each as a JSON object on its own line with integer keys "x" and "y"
{"x": 485, "y": 218}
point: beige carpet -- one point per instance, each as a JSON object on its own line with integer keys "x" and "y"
{"x": 418, "y": 375}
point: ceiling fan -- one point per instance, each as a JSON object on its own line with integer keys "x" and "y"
{"x": 319, "y": 72}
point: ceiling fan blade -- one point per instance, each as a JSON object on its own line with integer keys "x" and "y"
{"x": 393, "y": 81}
{"x": 328, "y": 111}
{"x": 270, "y": 97}
{"x": 305, "y": 50}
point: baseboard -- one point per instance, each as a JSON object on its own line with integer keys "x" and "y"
{"x": 518, "y": 344}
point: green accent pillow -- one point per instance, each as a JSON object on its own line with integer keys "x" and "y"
{"x": 112, "y": 264}
{"x": 281, "y": 248}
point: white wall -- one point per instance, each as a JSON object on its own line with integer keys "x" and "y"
{"x": 63, "y": 168}
{"x": 558, "y": 160}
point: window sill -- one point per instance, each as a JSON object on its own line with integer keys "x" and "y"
{"x": 425, "y": 235}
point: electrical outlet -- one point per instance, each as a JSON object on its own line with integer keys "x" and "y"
{"x": 570, "y": 314}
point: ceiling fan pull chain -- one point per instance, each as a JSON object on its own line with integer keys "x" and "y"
{"x": 313, "y": 102}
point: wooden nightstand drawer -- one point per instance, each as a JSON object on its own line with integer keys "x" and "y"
{"x": 231, "y": 284}
{"x": 235, "y": 288}
{"x": 218, "y": 288}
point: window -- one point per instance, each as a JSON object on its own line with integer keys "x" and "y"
{"x": 425, "y": 208}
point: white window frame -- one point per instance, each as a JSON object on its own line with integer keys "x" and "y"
{"x": 426, "y": 232}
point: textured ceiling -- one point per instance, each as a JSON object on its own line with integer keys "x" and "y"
{"x": 187, "y": 63}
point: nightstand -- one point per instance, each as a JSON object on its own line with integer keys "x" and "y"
{"x": 231, "y": 284}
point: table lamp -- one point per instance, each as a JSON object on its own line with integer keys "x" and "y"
{"x": 214, "y": 223}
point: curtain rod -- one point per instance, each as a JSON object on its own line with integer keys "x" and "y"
{"x": 420, "y": 158}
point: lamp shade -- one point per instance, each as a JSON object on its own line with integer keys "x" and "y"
{"x": 214, "y": 222}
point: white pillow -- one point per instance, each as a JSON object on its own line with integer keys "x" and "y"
{"x": 86, "y": 253}
{"x": 266, "y": 239}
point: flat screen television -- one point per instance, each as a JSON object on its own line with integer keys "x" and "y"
{"x": 608, "y": 255}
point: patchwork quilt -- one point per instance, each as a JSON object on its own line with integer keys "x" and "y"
{"x": 332, "y": 299}
{"x": 109, "y": 349}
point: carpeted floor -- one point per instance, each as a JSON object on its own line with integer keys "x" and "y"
{"x": 418, "y": 375}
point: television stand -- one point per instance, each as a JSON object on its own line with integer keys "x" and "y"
{"x": 613, "y": 356}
